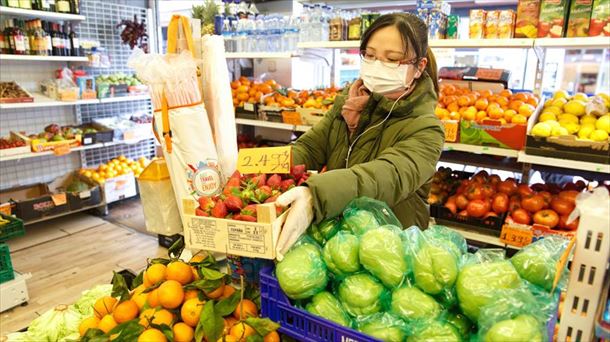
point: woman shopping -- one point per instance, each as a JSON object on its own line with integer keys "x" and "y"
{"x": 381, "y": 139}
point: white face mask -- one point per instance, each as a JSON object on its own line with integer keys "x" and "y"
{"x": 382, "y": 79}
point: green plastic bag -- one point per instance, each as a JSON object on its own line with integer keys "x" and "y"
{"x": 412, "y": 304}
{"x": 302, "y": 273}
{"x": 537, "y": 262}
{"x": 461, "y": 323}
{"x": 341, "y": 254}
{"x": 325, "y": 305}
{"x": 324, "y": 231}
{"x": 383, "y": 326}
{"x": 362, "y": 294}
{"x": 434, "y": 331}
{"x": 364, "y": 213}
{"x": 480, "y": 277}
{"x": 443, "y": 233}
{"x": 383, "y": 254}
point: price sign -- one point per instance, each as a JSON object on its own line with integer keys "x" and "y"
{"x": 518, "y": 236}
{"x": 264, "y": 160}
{"x": 61, "y": 150}
{"x": 489, "y": 74}
{"x": 292, "y": 118}
{"x": 451, "y": 130}
{"x": 59, "y": 199}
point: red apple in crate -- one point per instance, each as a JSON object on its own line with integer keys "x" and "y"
{"x": 521, "y": 216}
{"x": 532, "y": 203}
{"x": 563, "y": 223}
{"x": 500, "y": 203}
{"x": 547, "y": 218}
{"x": 562, "y": 206}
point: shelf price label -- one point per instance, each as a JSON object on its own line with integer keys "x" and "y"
{"x": 516, "y": 235}
{"x": 61, "y": 150}
{"x": 264, "y": 160}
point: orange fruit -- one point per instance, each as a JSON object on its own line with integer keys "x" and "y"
{"x": 229, "y": 322}
{"x": 495, "y": 112}
{"x": 533, "y": 100}
{"x": 88, "y": 323}
{"x": 156, "y": 273}
{"x": 480, "y": 116}
{"x": 106, "y": 324}
{"x": 453, "y": 107}
{"x": 153, "y": 298}
{"x": 519, "y": 119}
{"x": 157, "y": 317}
{"x": 215, "y": 294}
{"x": 481, "y": 104}
{"x": 252, "y": 92}
{"x": 125, "y": 311}
{"x": 191, "y": 310}
{"x": 199, "y": 257}
{"x": 228, "y": 338}
{"x": 449, "y": 99}
{"x": 526, "y": 110}
{"x": 104, "y": 306}
{"x": 440, "y": 112}
{"x": 171, "y": 294}
{"x": 514, "y": 105}
{"x": 464, "y": 101}
{"x": 485, "y": 93}
{"x": 502, "y": 101}
{"x": 191, "y": 294}
{"x": 272, "y": 337}
{"x": 454, "y": 116}
{"x": 265, "y": 88}
{"x": 180, "y": 272}
{"x": 235, "y": 84}
{"x": 520, "y": 97}
{"x": 243, "y": 96}
{"x": 152, "y": 335}
{"x": 245, "y": 308}
{"x": 506, "y": 93}
{"x": 140, "y": 299}
{"x": 183, "y": 332}
{"x": 227, "y": 291}
{"x": 242, "y": 331}
{"x": 243, "y": 89}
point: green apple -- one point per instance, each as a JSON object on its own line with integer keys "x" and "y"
{"x": 542, "y": 129}
{"x": 603, "y": 123}
{"x": 588, "y": 119}
{"x": 546, "y": 116}
{"x": 575, "y": 107}
{"x": 559, "y": 131}
{"x": 568, "y": 117}
{"x": 599, "y": 135}
{"x": 585, "y": 131}
{"x": 570, "y": 126}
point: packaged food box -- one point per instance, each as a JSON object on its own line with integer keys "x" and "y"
{"x": 506, "y": 24}
{"x": 552, "y": 20}
{"x": 437, "y": 25}
{"x": 492, "y": 23}
{"x": 86, "y": 84}
{"x": 453, "y": 22}
{"x": 477, "y": 24}
{"x": 11, "y": 92}
{"x": 579, "y": 18}
{"x": 80, "y": 193}
{"x": 9, "y": 146}
{"x": 117, "y": 188}
{"x": 438, "y": 5}
{"x": 600, "y": 19}
{"x": 526, "y": 25}
{"x": 35, "y": 201}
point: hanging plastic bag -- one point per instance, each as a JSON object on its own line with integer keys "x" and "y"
{"x": 363, "y": 213}
{"x": 161, "y": 213}
{"x": 219, "y": 101}
{"x": 180, "y": 119}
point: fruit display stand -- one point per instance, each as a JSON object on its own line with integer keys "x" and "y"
{"x": 13, "y": 289}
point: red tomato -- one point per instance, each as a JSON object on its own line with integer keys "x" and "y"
{"x": 569, "y": 195}
{"x": 477, "y": 208}
{"x": 461, "y": 201}
{"x": 488, "y": 190}
{"x": 508, "y": 187}
{"x": 514, "y": 204}
{"x": 524, "y": 190}
{"x": 539, "y": 187}
{"x": 562, "y": 206}
{"x": 494, "y": 180}
{"x": 475, "y": 192}
{"x": 463, "y": 213}
{"x": 500, "y": 203}
{"x": 463, "y": 186}
{"x": 580, "y": 185}
{"x": 521, "y": 216}
{"x": 532, "y": 203}
{"x": 547, "y": 217}
{"x": 480, "y": 177}
{"x": 451, "y": 206}
{"x": 547, "y": 198}
{"x": 563, "y": 223}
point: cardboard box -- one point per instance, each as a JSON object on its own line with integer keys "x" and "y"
{"x": 248, "y": 239}
{"x": 248, "y": 111}
{"x": 600, "y": 19}
{"x": 39, "y": 145}
{"x": 506, "y": 24}
{"x": 103, "y": 134}
{"x": 526, "y": 25}
{"x": 77, "y": 200}
{"x": 5, "y": 152}
{"x": 477, "y": 24}
{"x": 311, "y": 116}
{"x": 579, "y": 18}
{"x": 565, "y": 147}
{"x": 492, "y": 24}
{"x": 552, "y": 21}
{"x": 119, "y": 187}
{"x": 35, "y": 201}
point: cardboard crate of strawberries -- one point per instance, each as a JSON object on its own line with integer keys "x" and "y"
{"x": 243, "y": 220}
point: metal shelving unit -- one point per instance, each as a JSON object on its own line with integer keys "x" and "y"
{"x": 28, "y": 58}
{"x": 44, "y": 15}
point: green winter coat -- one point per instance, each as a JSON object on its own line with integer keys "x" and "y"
{"x": 393, "y": 162}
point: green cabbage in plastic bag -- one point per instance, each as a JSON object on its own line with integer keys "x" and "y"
{"x": 434, "y": 331}
{"x": 461, "y": 323}
{"x": 521, "y": 328}
{"x": 324, "y": 231}
{"x": 457, "y": 242}
{"x": 384, "y": 326}
{"x": 56, "y": 324}
{"x": 477, "y": 283}
{"x": 84, "y": 305}
{"x": 362, "y": 294}
{"x": 383, "y": 254}
{"x": 325, "y": 305}
{"x": 341, "y": 254}
{"x": 359, "y": 221}
{"x": 363, "y": 213}
{"x": 537, "y": 262}
{"x": 410, "y": 303}
{"x": 302, "y": 272}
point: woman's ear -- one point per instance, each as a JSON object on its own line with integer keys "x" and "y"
{"x": 421, "y": 66}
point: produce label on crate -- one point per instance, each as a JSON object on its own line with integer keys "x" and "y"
{"x": 516, "y": 235}
{"x": 264, "y": 160}
{"x": 451, "y": 130}
{"x": 61, "y": 150}
{"x": 291, "y": 117}
{"x": 59, "y": 199}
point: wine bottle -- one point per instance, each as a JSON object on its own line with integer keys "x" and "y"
{"x": 47, "y": 35}
{"x": 75, "y": 42}
{"x": 63, "y": 6}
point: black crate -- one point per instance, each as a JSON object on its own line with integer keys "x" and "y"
{"x": 167, "y": 241}
{"x": 540, "y": 146}
{"x": 490, "y": 225}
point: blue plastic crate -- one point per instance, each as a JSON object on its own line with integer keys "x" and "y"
{"x": 298, "y": 323}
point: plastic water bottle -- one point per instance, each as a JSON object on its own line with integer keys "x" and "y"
{"x": 304, "y": 24}
{"x": 292, "y": 34}
{"x": 227, "y": 35}
{"x": 242, "y": 36}
{"x": 315, "y": 24}
{"x": 325, "y": 23}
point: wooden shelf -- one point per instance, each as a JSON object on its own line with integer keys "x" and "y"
{"x": 44, "y": 15}
{"x": 574, "y": 43}
{"x": 563, "y": 163}
{"x": 493, "y": 151}
{"x": 50, "y": 153}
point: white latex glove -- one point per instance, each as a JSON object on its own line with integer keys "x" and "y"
{"x": 299, "y": 217}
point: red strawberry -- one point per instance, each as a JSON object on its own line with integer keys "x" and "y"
{"x": 287, "y": 185}
{"x": 298, "y": 171}
{"x": 259, "y": 180}
{"x": 263, "y": 193}
{"x": 274, "y": 181}
{"x": 247, "y": 218}
{"x": 219, "y": 210}
{"x": 272, "y": 199}
{"x": 236, "y": 217}
{"x": 200, "y": 212}
{"x": 206, "y": 203}
{"x": 234, "y": 203}
{"x": 236, "y": 175}
{"x": 303, "y": 180}
{"x": 249, "y": 210}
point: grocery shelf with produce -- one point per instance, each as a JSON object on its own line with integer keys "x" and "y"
{"x": 489, "y": 150}
{"x": 45, "y": 15}
{"x": 43, "y": 101}
{"x": 28, "y": 58}
{"x": 259, "y": 55}
{"x": 563, "y": 163}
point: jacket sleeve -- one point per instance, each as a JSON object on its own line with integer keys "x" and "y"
{"x": 310, "y": 148}
{"x": 396, "y": 173}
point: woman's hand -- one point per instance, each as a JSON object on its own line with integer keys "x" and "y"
{"x": 299, "y": 217}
